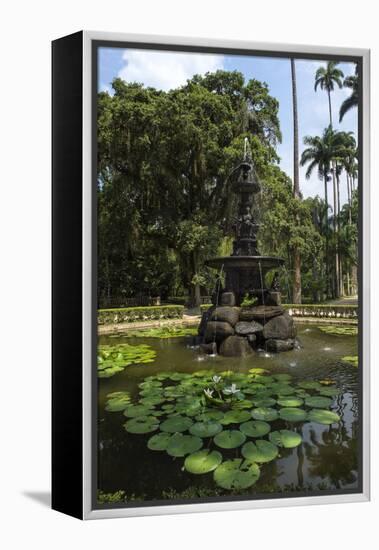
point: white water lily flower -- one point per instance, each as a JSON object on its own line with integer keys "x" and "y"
{"x": 216, "y": 379}
{"x": 208, "y": 392}
{"x": 231, "y": 389}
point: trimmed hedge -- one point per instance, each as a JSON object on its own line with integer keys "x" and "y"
{"x": 323, "y": 310}
{"x": 314, "y": 310}
{"x": 131, "y": 314}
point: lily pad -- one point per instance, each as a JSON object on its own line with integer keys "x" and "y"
{"x": 255, "y": 428}
{"x": 264, "y": 402}
{"x": 285, "y": 438}
{"x": 290, "y": 401}
{"x": 329, "y": 392}
{"x": 236, "y": 474}
{"x": 310, "y": 385}
{"x": 258, "y": 370}
{"x": 351, "y": 359}
{"x": 141, "y": 425}
{"x": 117, "y": 404}
{"x": 176, "y": 424}
{"x": 182, "y": 445}
{"x": 235, "y": 417}
{"x": 205, "y": 429}
{"x": 322, "y": 416}
{"x": 137, "y": 410}
{"x": 202, "y": 462}
{"x": 210, "y": 414}
{"x": 260, "y": 451}
{"x": 264, "y": 413}
{"x": 318, "y": 402}
{"x": 229, "y": 439}
{"x": 293, "y": 414}
{"x": 159, "y": 442}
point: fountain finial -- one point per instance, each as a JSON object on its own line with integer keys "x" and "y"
{"x": 247, "y": 151}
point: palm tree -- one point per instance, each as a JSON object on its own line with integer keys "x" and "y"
{"x": 320, "y": 154}
{"x": 327, "y": 77}
{"x": 351, "y": 101}
{"x": 296, "y": 184}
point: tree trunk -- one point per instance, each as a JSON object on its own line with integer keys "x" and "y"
{"x": 341, "y": 289}
{"x": 326, "y": 236}
{"x": 336, "y": 274}
{"x": 296, "y": 185}
{"x": 330, "y": 109}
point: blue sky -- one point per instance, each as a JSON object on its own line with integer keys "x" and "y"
{"x": 167, "y": 70}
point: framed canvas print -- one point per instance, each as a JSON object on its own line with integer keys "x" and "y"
{"x": 210, "y": 275}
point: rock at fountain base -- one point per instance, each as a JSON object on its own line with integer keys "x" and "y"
{"x": 217, "y": 331}
{"x": 280, "y": 345}
{"x": 273, "y": 298}
{"x": 228, "y": 299}
{"x": 235, "y": 346}
{"x": 280, "y": 328}
{"x": 260, "y": 313}
{"x": 209, "y": 349}
{"x": 244, "y": 328}
{"x": 226, "y": 314}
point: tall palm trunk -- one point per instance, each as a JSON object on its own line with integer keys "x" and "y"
{"x": 296, "y": 185}
{"x": 340, "y": 269}
{"x": 337, "y": 262}
{"x": 326, "y": 235}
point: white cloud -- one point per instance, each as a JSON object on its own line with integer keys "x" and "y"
{"x": 166, "y": 70}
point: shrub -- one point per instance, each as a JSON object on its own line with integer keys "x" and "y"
{"x": 131, "y": 314}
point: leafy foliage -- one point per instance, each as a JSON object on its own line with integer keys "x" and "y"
{"x": 113, "y": 359}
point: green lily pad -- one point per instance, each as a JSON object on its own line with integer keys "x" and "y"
{"x": 290, "y": 401}
{"x": 255, "y": 428}
{"x": 235, "y": 417}
{"x": 264, "y": 402}
{"x": 285, "y": 438}
{"x": 282, "y": 377}
{"x": 210, "y": 414}
{"x": 293, "y": 414}
{"x": 202, "y": 462}
{"x": 264, "y": 413}
{"x": 159, "y": 442}
{"x": 137, "y": 410}
{"x": 323, "y": 416}
{"x": 282, "y": 389}
{"x": 141, "y": 425}
{"x": 258, "y": 370}
{"x": 318, "y": 402}
{"x": 117, "y": 404}
{"x": 260, "y": 451}
{"x": 329, "y": 392}
{"x": 150, "y": 401}
{"x": 229, "y": 439}
{"x": 176, "y": 424}
{"x": 182, "y": 445}
{"x": 351, "y": 359}
{"x": 236, "y": 474}
{"x": 310, "y": 385}
{"x": 205, "y": 429}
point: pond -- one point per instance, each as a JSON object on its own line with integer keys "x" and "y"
{"x": 325, "y": 460}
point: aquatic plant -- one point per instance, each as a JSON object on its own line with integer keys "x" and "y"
{"x": 166, "y": 331}
{"x": 114, "y": 359}
{"x": 339, "y": 331}
{"x": 351, "y": 359}
{"x": 227, "y": 424}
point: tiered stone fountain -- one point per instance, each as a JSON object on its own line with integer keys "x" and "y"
{"x": 228, "y": 327}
